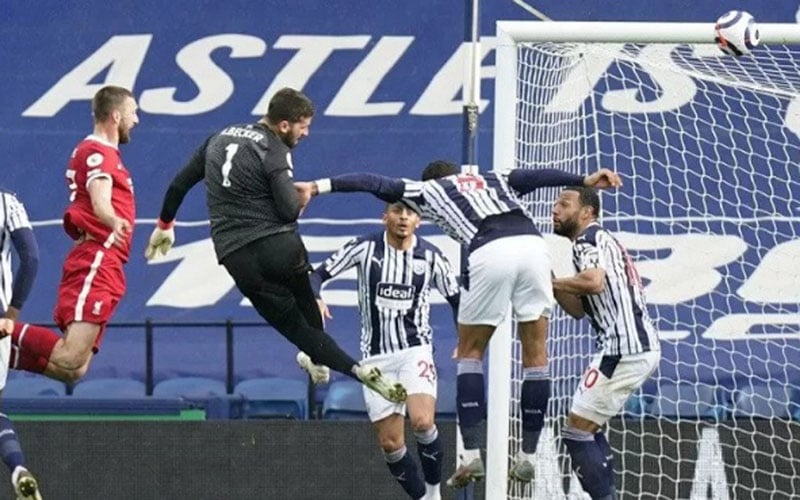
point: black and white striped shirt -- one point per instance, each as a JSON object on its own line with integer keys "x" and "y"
{"x": 394, "y": 288}
{"x": 619, "y": 313}
{"x": 12, "y": 217}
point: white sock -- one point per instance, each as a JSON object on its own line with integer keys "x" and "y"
{"x": 526, "y": 456}
{"x": 17, "y": 471}
{"x": 432, "y": 492}
{"x": 470, "y": 455}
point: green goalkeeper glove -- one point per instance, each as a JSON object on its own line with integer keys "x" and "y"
{"x": 161, "y": 239}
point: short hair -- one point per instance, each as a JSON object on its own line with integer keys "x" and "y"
{"x": 290, "y": 105}
{"x": 401, "y": 204}
{"x": 107, "y": 100}
{"x": 438, "y": 169}
{"x": 587, "y": 197}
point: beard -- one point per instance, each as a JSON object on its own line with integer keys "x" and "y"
{"x": 124, "y": 134}
{"x": 566, "y": 228}
{"x": 288, "y": 138}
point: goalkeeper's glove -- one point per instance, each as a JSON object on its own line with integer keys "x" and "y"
{"x": 320, "y": 374}
{"x": 161, "y": 239}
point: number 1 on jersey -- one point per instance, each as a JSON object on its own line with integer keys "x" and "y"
{"x": 230, "y": 151}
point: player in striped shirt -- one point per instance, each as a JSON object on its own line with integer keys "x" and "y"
{"x": 508, "y": 264}
{"x": 396, "y": 272}
{"x": 16, "y": 232}
{"x": 609, "y": 291}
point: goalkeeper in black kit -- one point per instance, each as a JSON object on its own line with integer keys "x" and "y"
{"x": 253, "y": 208}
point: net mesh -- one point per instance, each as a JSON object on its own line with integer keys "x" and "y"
{"x": 708, "y": 148}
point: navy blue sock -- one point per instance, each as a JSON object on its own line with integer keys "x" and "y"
{"x": 429, "y": 448}
{"x": 471, "y": 399}
{"x": 587, "y": 462}
{"x": 534, "y": 399}
{"x": 10, "y": 449}
{"x": 605, "y": 449}
{"x": 405, "y": 471}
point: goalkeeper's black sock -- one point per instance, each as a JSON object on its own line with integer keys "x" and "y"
{"x": 605, "y": 449}
{"x": 535, "y": 396}
{"x": 10, "y": 450}
{"x": 429, "y": 449}
{"x": 471, "y": 401}
{"x": 405, "y": 471}
{"x": 588, "y": 462}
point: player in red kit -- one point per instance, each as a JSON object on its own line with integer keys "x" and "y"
{"x": 100, "y": 218}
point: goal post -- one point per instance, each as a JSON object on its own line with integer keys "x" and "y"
{"x": 708, "y": 146}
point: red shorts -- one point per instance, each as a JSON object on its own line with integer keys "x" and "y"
{"x": 92, "y": 284}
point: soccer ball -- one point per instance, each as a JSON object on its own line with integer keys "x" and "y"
{"x": 736, "y": 33}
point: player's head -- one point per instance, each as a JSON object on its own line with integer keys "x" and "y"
{"x": 575, "y": 208}
{"x": 400, "y": 220}
{"x": 289, "y": 114}
{"x": 438, "y": 169}
{"x": 116, "y": 105}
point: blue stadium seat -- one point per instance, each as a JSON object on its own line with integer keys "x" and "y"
{"x": 196, "y": 389}
{"x": 687, "y": 401}
{"x": 33, "y": 387}
{"x": 345, "y": 401}
{"x": 446, "y": 407}
{"x": 110, "y": 388}
{"x": 274, "y": 397}
{"x": 763, "y": 401}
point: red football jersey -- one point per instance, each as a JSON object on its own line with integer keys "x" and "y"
{"x": 92, "y": 159}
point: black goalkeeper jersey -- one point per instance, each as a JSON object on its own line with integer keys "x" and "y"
{"x": 250, "y": 191}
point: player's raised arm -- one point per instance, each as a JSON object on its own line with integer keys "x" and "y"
{"x": 163, "y": 236}
{"x": 388, "y": 189}
{"x": 526, "y": 180}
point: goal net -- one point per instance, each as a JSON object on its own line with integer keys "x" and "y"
{"x": 709, "y": 149}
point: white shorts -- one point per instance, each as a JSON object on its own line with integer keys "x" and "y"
{"x": 412, "y": 367}
{"x": 5, "y": 353}
{"x": 598, "y": 398}
{"x": 513, "y": 270}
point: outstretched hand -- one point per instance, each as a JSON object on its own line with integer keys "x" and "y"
{"x": 306, "y": 191}
{"x": 6, "y": 327}
{"x": 602, "y": 179}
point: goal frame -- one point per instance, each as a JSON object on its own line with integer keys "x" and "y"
{"x": 508, "y": 35}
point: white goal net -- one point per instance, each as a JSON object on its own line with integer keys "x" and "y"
{"x": 709, "y": 149}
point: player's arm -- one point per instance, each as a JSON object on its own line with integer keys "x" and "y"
{"x": 569, "y": 302}
{"x": 100, "y": 190}
{"x": 588, "y": 282}
{"x": 163, "y": 235}
{"x": 343, "y": 259}
{"x": 526, "y": 180}
{"x": 288, "y": 202}
{"x": 27, "y": 249}
{"x": 388, "y": 189}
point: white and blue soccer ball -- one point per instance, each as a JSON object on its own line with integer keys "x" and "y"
{"x": 736, "y": 33}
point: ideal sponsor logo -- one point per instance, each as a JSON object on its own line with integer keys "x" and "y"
{"x": 395, "y": 291}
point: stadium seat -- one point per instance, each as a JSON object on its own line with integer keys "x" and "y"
{"x": 33, "y": 387}
{"x": 763, "y": 401}
{"x": 110, "y": 388}
{"x": 344, "y": 401}
{"x": 274, "y": 397}
{"x": 446, "y": 407}
{"x": 195, "y": 389}
{"x": 687, "y": 401}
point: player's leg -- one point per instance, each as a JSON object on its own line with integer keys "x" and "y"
{"x": 388, "y": 420}
{"x": 11, "y": 453}
{"x": 421, "y": 411}
{"x": 417, "y": 372}
{"x": 401, "y": 464}
{"x": 535, "y": 394}
{"x": 34, "y": 345}
{"x": 272, "y": 285}
{"x": 73, "y": 352}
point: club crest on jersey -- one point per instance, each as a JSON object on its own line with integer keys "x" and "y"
{"x": 394, "y": 296}
{"x": 419, "y": 266}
